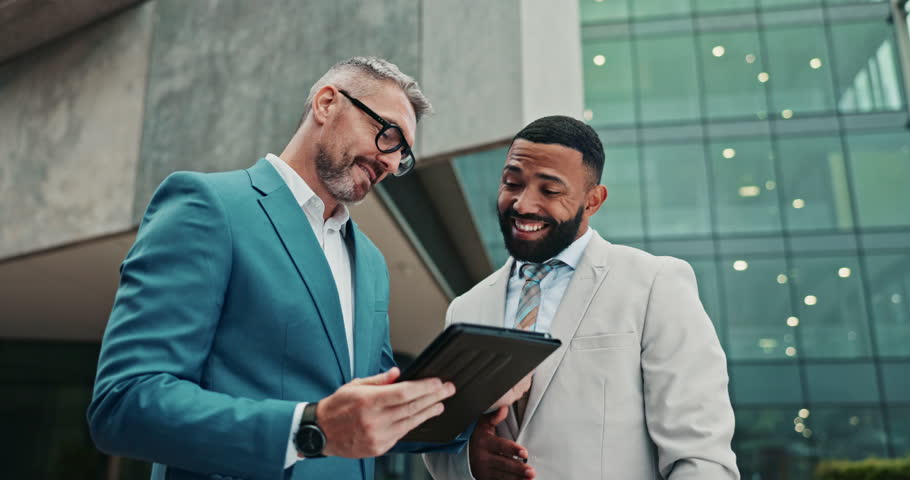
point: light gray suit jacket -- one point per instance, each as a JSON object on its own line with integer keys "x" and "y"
{"x": 638, "y": 389}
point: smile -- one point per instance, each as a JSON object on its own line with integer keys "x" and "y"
{"x": 527, "y": 225}
{"x": 371, "y": 176}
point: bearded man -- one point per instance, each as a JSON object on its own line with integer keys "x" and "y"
{"x": 638, "y": 389}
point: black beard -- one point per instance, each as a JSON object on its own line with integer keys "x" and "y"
{"x": 559, "y": 236}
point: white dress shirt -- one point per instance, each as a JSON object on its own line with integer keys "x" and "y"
{"x": 330, "y": 234}
{"x": 552, "y": 287}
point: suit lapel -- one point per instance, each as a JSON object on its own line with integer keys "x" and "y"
{"x": 364, "y": 296}
{"x": 591, "y": 271}
{"x": 494, "y": 297}
{"x": 300, "y": 242}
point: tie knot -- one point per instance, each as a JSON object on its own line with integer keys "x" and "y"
{"x": 535, "y": 272}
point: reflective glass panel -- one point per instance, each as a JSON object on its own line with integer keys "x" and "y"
{"x": 731, "y": 63}
{"x": 709, "y": 293}
{"x": 831, "y": 307}
{"x": 814, "y": 184}
{"x": 797, "y": 88}
{"x": 773, "y": 4}
{"x": 896, "y": 377}
{"x": 667, "y": 86}
{"x": 848, "y": 432}
{"x": 868, "y": 73}
{"x": 609, "y": 83}
{"x": 620, "y": 217}
{"x": 842, "y": 383}
{"x": 660, "y": 8}
{"x": 758, "y": 309}
{"x": 767, "y": 446}
{"x": 889, "y": 286}
{"x": 603, "y": 10}
{"x": 711, "y": 6}
{"x": 899, "y": 421}
{"x": 742, "y": 171}
{"x": 677, "y": 194}
{"x": 763, "y": 384}
{"x": 881, "y": 173}
{"x": 479, "y": 175}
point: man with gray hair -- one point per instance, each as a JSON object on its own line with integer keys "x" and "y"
{"x": 249, "y": 337}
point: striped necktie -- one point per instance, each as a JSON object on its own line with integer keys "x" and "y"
{"x": 528, "y": 306}
{"x": 529, "y": 301}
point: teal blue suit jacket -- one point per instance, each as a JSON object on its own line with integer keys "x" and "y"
{"x": 226, "y": 317}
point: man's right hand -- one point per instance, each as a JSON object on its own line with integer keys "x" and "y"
{"x": 494, "y": 457}
{"x": 366, "y": 417}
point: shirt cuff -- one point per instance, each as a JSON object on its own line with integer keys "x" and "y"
{"x": 292, "y": 457}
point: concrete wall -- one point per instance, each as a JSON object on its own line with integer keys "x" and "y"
{"x": 70, "y": 123}
{"x": 92, "y": 122}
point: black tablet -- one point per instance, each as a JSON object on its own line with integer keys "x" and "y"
{"x": 484, "y": 363}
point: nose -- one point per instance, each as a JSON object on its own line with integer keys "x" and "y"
{"x": 389, "y": 161}
{"x": 525, "y": 203}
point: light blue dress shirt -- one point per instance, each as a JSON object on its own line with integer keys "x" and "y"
{"x": 552, "y": 287}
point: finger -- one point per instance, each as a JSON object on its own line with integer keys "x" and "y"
{"x": 409, "y": 423}
{"x": 507, "y": 467}
{"x": 505, "y": 448}
{"x": 497, "y": 417}
{"x": 420, "y": 404}
{"x": 405, "y": 392}
{"x": 384, "y": 378}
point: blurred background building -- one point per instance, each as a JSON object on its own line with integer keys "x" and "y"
{"x": 764, "y": 141}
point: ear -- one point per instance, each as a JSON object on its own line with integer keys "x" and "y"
{"x": 324, "y": 102}
{"x": 594, "y": 199}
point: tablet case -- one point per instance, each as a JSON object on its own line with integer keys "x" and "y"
{"x": 484, "y": 363}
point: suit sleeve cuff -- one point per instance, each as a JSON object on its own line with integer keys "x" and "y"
{"x": 292, "y": 457}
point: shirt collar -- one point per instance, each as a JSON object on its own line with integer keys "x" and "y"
{"x": 570, "y": 255}
{"x": 306, "y": 197}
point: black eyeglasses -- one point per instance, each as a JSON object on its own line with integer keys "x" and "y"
{"x": 389, "y": 139}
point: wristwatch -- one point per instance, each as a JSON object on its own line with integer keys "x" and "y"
{"x": 309, "y": 439}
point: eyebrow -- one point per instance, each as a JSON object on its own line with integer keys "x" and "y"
{"x": 544, "y": 176}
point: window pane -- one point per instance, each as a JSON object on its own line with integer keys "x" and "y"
{"x": 620, "y": 216}
{"x": 667, "y": 80}
{"x": 899, "y": 421}
{"x": 660, "y": 8}
{"x": 842, "y": 383}
{"x": 600, "y": 10}
{"x": 897, "y": 386}
{"x": 816, "y": 192}
{"x": 868, "y": 74}
{"x": 609, "y": 83}
{"x": 889, "y": 285}
{"x": 831, "y": 307}
{"x": 881, "y": 170}
{"x": 767, "y": 447}
{"x": 724, "y": 5}
{"x": 848, "y": 432}
{"x": 758, "y": 306}
{"x": 742, "y": 171}
{"x": 479, "y": 175}
{"x": 731, "y": 63}
{"x": 797, "y": 88}
{"x": 763, "y": 384}
{"x": 677, "y": 194}
{"x": 709, "y": 293}
{"x": 770, "y": 4}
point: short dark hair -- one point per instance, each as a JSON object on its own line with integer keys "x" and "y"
{"x": 568, "y": 132}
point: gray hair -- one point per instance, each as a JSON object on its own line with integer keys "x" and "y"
{"x": 360, "y": 75}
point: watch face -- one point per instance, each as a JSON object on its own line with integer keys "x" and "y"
{"x": 310, "y": 440}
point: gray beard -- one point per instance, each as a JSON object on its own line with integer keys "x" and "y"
{"x": 337, "y": 179}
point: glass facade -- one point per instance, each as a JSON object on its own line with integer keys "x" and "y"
{"x": 766, "y": 142}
